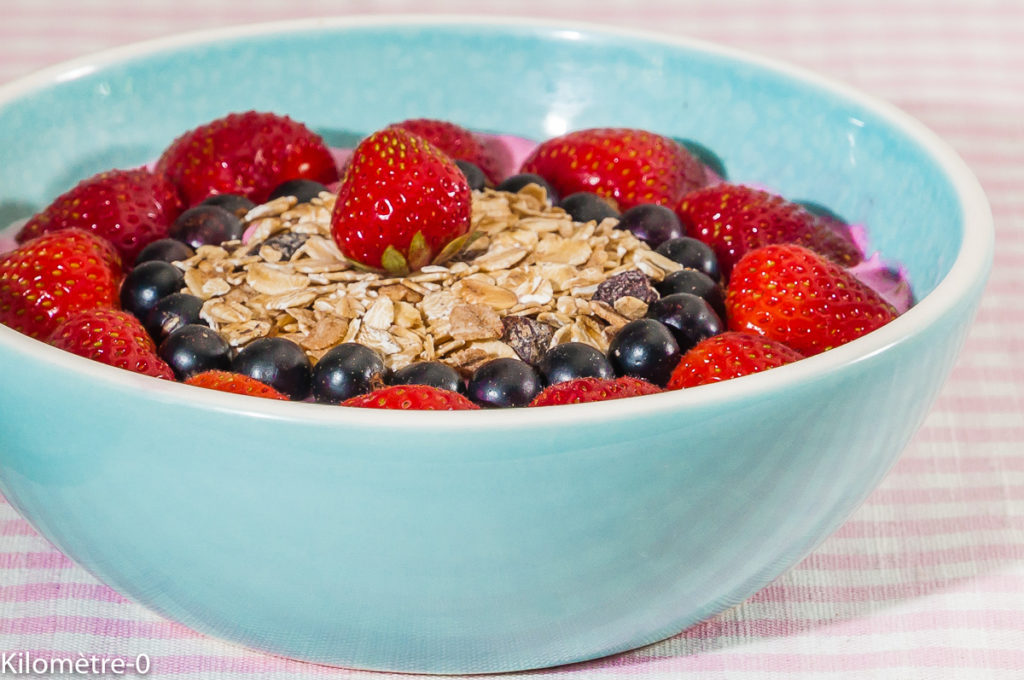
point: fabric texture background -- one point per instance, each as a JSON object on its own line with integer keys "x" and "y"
{"x": 926, "y": 580}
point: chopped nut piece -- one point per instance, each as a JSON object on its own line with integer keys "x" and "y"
{"x": 299, "y": 298}
{"x": 562, "y": 250}
{"x": 630, "y": 307}
{"x": 266, "y": 278}
{"x": 603, "y": 310}
{"x": 541, "y": 294}
{"x": 449, "y": 347}
{"x": 479, "y": 353}
{"x": 327, "y": 333}
{"x": 528, "y": 338}
{"x": 500, "y": 259}
{"x": 204, "y": 285}
{"x": 319, "y": 248}
{"x": 475, "y": 322}
{"x": 271, "y": 209}
{"x": 303, "y": 317}
{"x": 378, "y": 339}
{"x": 353, "y": 330}
{"x": 396, "y": 292}
{"x": 242, "y": 334}
{"x": 221, "y": 312}
{"x": 407, "y": 316}
{"x": 380, "y": 315}
{"x": 478, "y": 291}
{"x": 438, "y": 305}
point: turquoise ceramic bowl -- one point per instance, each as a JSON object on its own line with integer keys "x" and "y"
{"x": 477, "y": 541}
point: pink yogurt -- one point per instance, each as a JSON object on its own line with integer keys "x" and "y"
{"x": 888, "y": 280}
{"x": 7, "y": 234}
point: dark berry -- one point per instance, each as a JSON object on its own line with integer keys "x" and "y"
{"x": 584, "y": 206}
{"x": 171, "y": 313}
{"x": 193, "y": 349}
{"x": 689, "y": 317}
{"x": 645, "y": 349}
{"x": 572, "y": 360}
{"x": 345, "y": 371}
{"x": 706, "y": 156}
{"x": 432, "y": 373}
{"x": 304, "y": 190}
{"x": 651, "y": 223}
{"x": 696, "y": 283}
{"x": 207, "y": 225}
{"x": 504, "y": 383}
{"x": 516, "y": 182}
{"x": 277, "y": 362}
{"x": 692, "y": 253}
{"x": 165, "y": 250}
{"x": 233, "y": 203}
{"x": 474, "y": 175}
{"x": 147, "y": 284}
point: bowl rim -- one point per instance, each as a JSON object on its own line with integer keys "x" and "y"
{"x": 968, "y": 271}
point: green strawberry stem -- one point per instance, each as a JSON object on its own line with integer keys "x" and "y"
{"x": 455, "y": 246}
{"x": 394, "y": 262}
{"x": 419, "y": 251}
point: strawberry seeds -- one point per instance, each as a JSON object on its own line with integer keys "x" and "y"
{"x": 403, "y": 275}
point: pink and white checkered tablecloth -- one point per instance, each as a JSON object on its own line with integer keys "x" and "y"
{"x": 925, "y": 581}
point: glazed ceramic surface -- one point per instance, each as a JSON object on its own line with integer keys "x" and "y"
{"x": 476, "y": 541}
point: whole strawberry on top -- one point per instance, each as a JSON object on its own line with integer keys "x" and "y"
{"x": 402, "y": 204}
{"x": 50, "y": 277}
{"x": 459, "y": 143}
{"x": 627, "y": 165}
{"x": 791, "y": 294}
{"x": 248, "y": 154}
{"x": 729, "y": 355}
{"x": 129, "y": 208}
{"x": 113, "y": 337}
{"x": 734, "y": 219}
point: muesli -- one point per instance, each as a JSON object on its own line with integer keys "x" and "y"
{"x": 529, "y": 260}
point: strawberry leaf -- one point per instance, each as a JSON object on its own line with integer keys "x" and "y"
{"x": 394, "y": 262}
{"x": 419, "y": 251}
{"x": 455, "y": 246}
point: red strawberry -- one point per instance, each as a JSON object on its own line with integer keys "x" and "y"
{"x": 795, "y": 296}
{"x": 412, "y": 398}
{"x": 583, "y": 390}
{"x": 55, "y": 275}
{"x": 129, "y": 208}
{"x": 247, "y": 154}
{"x": 236, "y": 383}
{"x": 113, "y": 337}
{"x": 729, "y": 355}
{"x": 629, "y": 166}
{"x": 459, "y": 143}
{"x": 734, "y": 219}
{"x": 402, "y": 204}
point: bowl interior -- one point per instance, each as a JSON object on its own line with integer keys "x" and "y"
{"x": 798, "y": 136}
